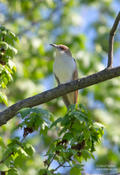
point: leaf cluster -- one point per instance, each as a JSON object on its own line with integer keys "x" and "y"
{"x": 35, "y": 119}
{"x": 7, "y": 43}
{"x": 14, "y": 156}
{"x": 77, "y": 137}
{"x": 7, "y": 51}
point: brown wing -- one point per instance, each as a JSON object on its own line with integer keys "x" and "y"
{"x": 73, "y": 96}
{"x": 65, "y": 98}
{"x": 75, "y": 77}
{"x": 57, "y": 79}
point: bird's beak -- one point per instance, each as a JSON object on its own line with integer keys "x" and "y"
{"x": 54, "y": 45}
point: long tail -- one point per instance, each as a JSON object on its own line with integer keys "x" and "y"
{"x": 70, "y": 98}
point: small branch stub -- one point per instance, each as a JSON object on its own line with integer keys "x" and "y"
{"x": 111, "y": 41}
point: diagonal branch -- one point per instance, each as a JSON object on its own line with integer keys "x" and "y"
{"x": 61, "y": 90}
{"x": 111, "y": 41}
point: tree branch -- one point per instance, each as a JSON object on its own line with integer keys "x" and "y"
{"x": 61, "y": 90}
{"x": 111, "y": 41}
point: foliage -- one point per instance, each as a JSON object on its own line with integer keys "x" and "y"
{"x": 7, "y": 67}
{"x": 15, "y": 155}
{"x": 78, "y": 136}
{"x": 35, "y": 119}
{"x": 75, "y": 141}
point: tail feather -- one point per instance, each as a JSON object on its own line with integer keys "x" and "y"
{"x": 66, "y": 100}
{"x": 70, "y": 98}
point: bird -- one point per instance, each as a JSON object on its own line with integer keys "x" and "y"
{"x": 65, "y": 70}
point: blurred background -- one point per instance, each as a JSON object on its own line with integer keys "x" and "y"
{"x": 82, "y": 25}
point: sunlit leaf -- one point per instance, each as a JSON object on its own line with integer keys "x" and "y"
{"x": 3, "y": 167}
{"x": 3, "y": 98}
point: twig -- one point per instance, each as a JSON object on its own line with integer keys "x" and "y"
{"x": 61, "y": 90}
{"x": 60, "y": 165}
{"x": 111, "y": 41}
{"x": 51, "y": 161}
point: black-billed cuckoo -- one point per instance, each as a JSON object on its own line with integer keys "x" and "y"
{"x": 65, "y": 70}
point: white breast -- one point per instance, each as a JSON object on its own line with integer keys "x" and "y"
{"x": 64, "y": 67}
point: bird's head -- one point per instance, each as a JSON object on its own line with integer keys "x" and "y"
{"x": 62, "y": 49}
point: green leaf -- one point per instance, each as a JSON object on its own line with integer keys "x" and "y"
{"x": 68, "y": 136}
{"x": 29, "y": 149}
{"x": 19, "y": 161}
{"x": 4, "y": 32}
{"x": 1, "y": 68}
{"x": 13, "y": 171}
{"x": 65, "y": 120}
{"x": 83, "y": 108}
{"x": 22, "y": 152}
{"x": 2, "y": 28}
{"x": 14, "y": 51}
{"x": 80, "y": 116}
{"x": 56, "y": 122}
{"x": 24, "y": 112}
{"x": 44, "y": 172}
{"x": 12, "y": 66}
{"x": 3, "y": 85}
{"x": 14, "y": 37}
{"x": 3, "y": 45}
{"x": 75, "y": 171}
{"x": 2, "y": 144}
{"x": 98, "y": 125}
{"x": 3, "y": 167}
{"x": 3, "y": 98}
{"x": 86, "y": 154}
{"x": 71, "y": 107}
